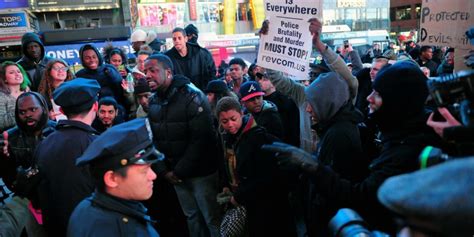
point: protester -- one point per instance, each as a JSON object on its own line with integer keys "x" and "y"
{"x": 236, "y": 71}
{"x": 19, "y": 143}
{"x": 216, "y": 90}
{"x": 287, "y": 109}
{"x": 56, "y": 72}
{"x": 142, "y": 94}
{"x": 107, "y": 115}
{"x": 425, "y": 60}
{"x": 401, "y": 118}
{"x": 63, "y": 185}
{"x": 117, "y": 58}
{"x": 265, "y": 112}
{"x": 252, "y": 175}
{"x": 120, "y": 164}
{"x": 192, "y": 33}
{"x": 181, "y": 122}
{"x": 138, "y": 38}
{"x": 13, "y": 82}
{"x": 447, "y": 65}
{"x": 105, "y": 74}
{"x": 191, "y": 60}
{"x": 34, "y": 58}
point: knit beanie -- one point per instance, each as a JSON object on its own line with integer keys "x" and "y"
{"x": 403, "y": 89}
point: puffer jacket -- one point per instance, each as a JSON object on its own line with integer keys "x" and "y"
{"x": 182, "y": 127}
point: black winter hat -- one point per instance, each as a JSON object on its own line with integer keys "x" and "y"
{"x": 403, "y": 89}
{"x": 216, "y": 86}
{"x": 141, "y": 86}
{"x": 191, "y": 29}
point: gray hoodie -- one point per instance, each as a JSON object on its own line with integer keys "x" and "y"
{"x": 327, "y": 94}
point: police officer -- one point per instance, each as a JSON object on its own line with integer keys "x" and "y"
{"x": 120, "y": 163}
{"x": 64, "y": 185}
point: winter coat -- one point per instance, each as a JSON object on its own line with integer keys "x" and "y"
{"x": 401, "y": 148}
{"x": 34, "y": 69}
{"x": 63, "y": 184}
{"x": 269, "y": 118}
{"x": 197, "y": 65}
{"x": 7, "y": 111}
{"x": 105, "y": 215}
{"x": 289, "y": 115}
{"x": 106, "y": 74}
{"x": 182, "y": 127}
{"x": 430, "y": 64}
{"x": 262, "y": 188}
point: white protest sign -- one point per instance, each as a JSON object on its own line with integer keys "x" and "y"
{"x": 443, "y": 23}
{"x": 288, "y": 44}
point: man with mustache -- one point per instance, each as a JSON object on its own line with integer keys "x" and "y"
{"x": 19, "y": 143}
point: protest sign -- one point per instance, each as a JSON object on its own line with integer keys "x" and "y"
{"x": 443, "y": 23}
{"x": 288, "y": 44}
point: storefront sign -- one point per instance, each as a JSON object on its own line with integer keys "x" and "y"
{"x": 443, "y": 23}
{"x": 63, "y": 5}
{"x": 288, "y": 44}
{"x": 13, "y": 23}
{"x": 351, "y": 3}
{"x": 5, "y": 4}
{"x": 163, "y": 14}
{"x": 70, "y": 52}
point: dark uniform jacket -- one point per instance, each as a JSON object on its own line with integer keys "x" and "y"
{"x": 262, "y": 187}
{"x": 430, "y": 64}
{"x": 290, "y": 117}
{"x": 63, "y": 184}
{"x": 182, "y": 127}
{"x": 105, "y": 215}
{"x": 197, "y": 65}
{"x": 401, "y": 147}
{"x": 269, "y": 118}
{"x": 34, "y": 69}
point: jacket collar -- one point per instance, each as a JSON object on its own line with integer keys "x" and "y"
{"x": 75, "y": 124}
{"x": 126, "y": 207}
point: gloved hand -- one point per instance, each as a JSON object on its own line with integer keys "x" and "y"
{"x": 290, "y": 157}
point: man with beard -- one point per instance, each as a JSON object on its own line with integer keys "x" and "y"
{"x": 63, "y": 185}
{"x": 31, "y": 114}
{"x": 107, "y": 116}
{"x": 34, "y": 59}
{"x": 181, "y": 122}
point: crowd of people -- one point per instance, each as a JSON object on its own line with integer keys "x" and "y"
{"x": 175, "y": 145}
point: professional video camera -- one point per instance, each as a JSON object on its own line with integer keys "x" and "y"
{"x": 347, "y": 223}
{"x": 455, "y": 92}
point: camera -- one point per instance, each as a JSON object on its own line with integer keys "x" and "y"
{"x": 455, "y": 92}
{"x": 347, "y": 223}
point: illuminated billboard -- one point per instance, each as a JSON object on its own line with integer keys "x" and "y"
{"x": 71, "y": 5}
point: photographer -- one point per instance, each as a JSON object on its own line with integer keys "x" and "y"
{"x": 401, "y": 120}
{"x": 19, "y": 143}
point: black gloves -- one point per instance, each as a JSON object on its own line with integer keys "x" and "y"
{"x": 290, "y": 157}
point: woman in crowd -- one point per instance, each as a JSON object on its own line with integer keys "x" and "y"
{"x": 251, "y": 174}
{"x": 13, "y": 82}
{"x": 118, "y": 58}
{"x": 57, "y": 71}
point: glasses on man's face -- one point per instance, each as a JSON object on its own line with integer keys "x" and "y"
{"x": 58, "y": 69}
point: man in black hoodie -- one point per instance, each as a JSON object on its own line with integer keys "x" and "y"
{"x": 33, "y": 125}
{"x": 108, "y": 77}
{"x": 34, "y": 59}
{"x": 191, "y": 60}
{"x": 397, "y": 107}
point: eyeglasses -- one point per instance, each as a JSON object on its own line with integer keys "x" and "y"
{"x": 64, "y": 69}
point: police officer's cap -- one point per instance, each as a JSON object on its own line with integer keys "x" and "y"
{"x": 125, "y": 144}
{"x": 77, "y": 95}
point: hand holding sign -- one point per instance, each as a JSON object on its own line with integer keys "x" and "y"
{"x": 315, "y": 27}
